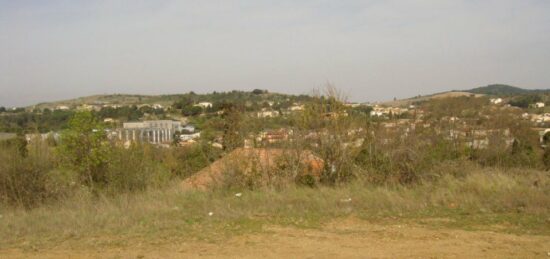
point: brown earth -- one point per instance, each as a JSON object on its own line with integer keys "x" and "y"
{"x": 265, "y": 160}
{"x": 348, "y": 238}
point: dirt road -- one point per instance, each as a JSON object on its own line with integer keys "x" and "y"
{"x": 348, "y": 238}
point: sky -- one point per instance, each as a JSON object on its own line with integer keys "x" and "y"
{"x": 371, "y": 50}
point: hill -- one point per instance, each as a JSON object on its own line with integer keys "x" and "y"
{"x": 494, "y": 89}
{"x": 505, "y": 90}
{"x": 119, "y": 99}
{"x": 167, "y": 100}
{"x": 409, "y": 101}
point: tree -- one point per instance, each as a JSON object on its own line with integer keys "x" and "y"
{"x": 84, "y": 148}
{"x": 191, "y": 110}
{"x": 259, "y": 91}
{"x": 232, "y": 127}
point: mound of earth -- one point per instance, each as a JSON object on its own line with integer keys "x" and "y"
{"x": 265, "y": 162}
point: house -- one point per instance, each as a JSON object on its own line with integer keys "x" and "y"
{"x": 264, "y": 113}
{"x": 42, "y": 136}
{"x": 157, "y": 106}
{"x": 540, "y": 118}
{"x": 496, "y": 100}
{"x": 89, "y": 107}
{"x": 265, "y": 163}
{"x": 352, "y": 105}
{"x": 187, "y": 137}
{"x": 378, "y": 111}
{"x": 204, "y": 105}
{"x": 274, "y": 136}
{"x": 188, "y": 128}
{"x": 296, "y": 107}
{"x": 62, "y": 107}
{"x": 539, "y": 105}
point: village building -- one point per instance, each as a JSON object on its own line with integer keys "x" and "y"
{"x": 155, "y": 132}
{"x": 157, "y": 106}
{"x": 379, "y": 111}
{"x": 296, "y": 107}
{"x": 265, "y": 113}
{"x": 62, "y": 107}
{"x": 204, "y": 105}
{"x": 274, "y": 136}
{"x": 496, "y": 100}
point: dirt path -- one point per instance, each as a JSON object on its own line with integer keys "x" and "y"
{"x": 342, "y": 239}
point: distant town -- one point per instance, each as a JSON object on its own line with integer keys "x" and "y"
{"x": 179, "y": 120}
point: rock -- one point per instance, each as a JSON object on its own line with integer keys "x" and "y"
{"x": 238, "y": 194}
{"x": 210, "y": 213}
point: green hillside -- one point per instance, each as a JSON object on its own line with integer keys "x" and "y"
{"x": 504, "y": 90}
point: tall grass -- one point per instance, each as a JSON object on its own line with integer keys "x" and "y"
{"x": 25, "y": 173}
{"x": 518, "y": 199}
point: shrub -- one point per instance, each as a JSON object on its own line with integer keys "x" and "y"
{"x": 84, "y": 149}
{"x": 134, "y": 169}
{"x": 24, "y": 176}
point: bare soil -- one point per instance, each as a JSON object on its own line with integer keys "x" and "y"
{"x": 345, "y": 238}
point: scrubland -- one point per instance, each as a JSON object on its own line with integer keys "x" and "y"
{"x": 87, "y": 192}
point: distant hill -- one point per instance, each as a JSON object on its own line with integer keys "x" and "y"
{"x": 504, "y": 90}
{"x": 120, "y": 99}
{"x": 409, "y": 101}
{"x": 256, "y": 96}
{"x": 494, "y": 89}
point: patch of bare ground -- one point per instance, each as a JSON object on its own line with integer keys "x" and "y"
{"x": 344, "y": 238}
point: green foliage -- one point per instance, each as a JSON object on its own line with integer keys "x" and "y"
{"x": 31, "y": 122}
{"x": 499, "y": 89}
{"x": 185, "y": 161}
{"x": 524, "y": 101}
{"x": 84, "y": 148}
{"x": 126, "y": 113}
{"x": 259, "y": 91}
{"x": 191, "y": 110}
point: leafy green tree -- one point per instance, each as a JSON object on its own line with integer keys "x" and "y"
{"x": 84, "y": 149}
{"x": 191, "y": 110}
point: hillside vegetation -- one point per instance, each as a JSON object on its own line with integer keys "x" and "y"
{"x": 463, "y": 162}
{"x": 504, "y": 90}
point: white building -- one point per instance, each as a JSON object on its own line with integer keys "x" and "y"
{"x": 188, "y": 137}
{"x": 267, "y": 114}
{"x": 204, "y": 105}
{"x": 297, "y": 107}
{"x": 496, "y": 100}
{"x": 62, "y": 107}
{"x": 156, "y": 132}
{"x": 539, "y": 105}
{"x": 157, "y": 106}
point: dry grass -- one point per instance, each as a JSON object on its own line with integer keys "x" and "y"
{"x": 482, "y": 198}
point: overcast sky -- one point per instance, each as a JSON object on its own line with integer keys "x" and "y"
{"x": 370, "y": 49}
